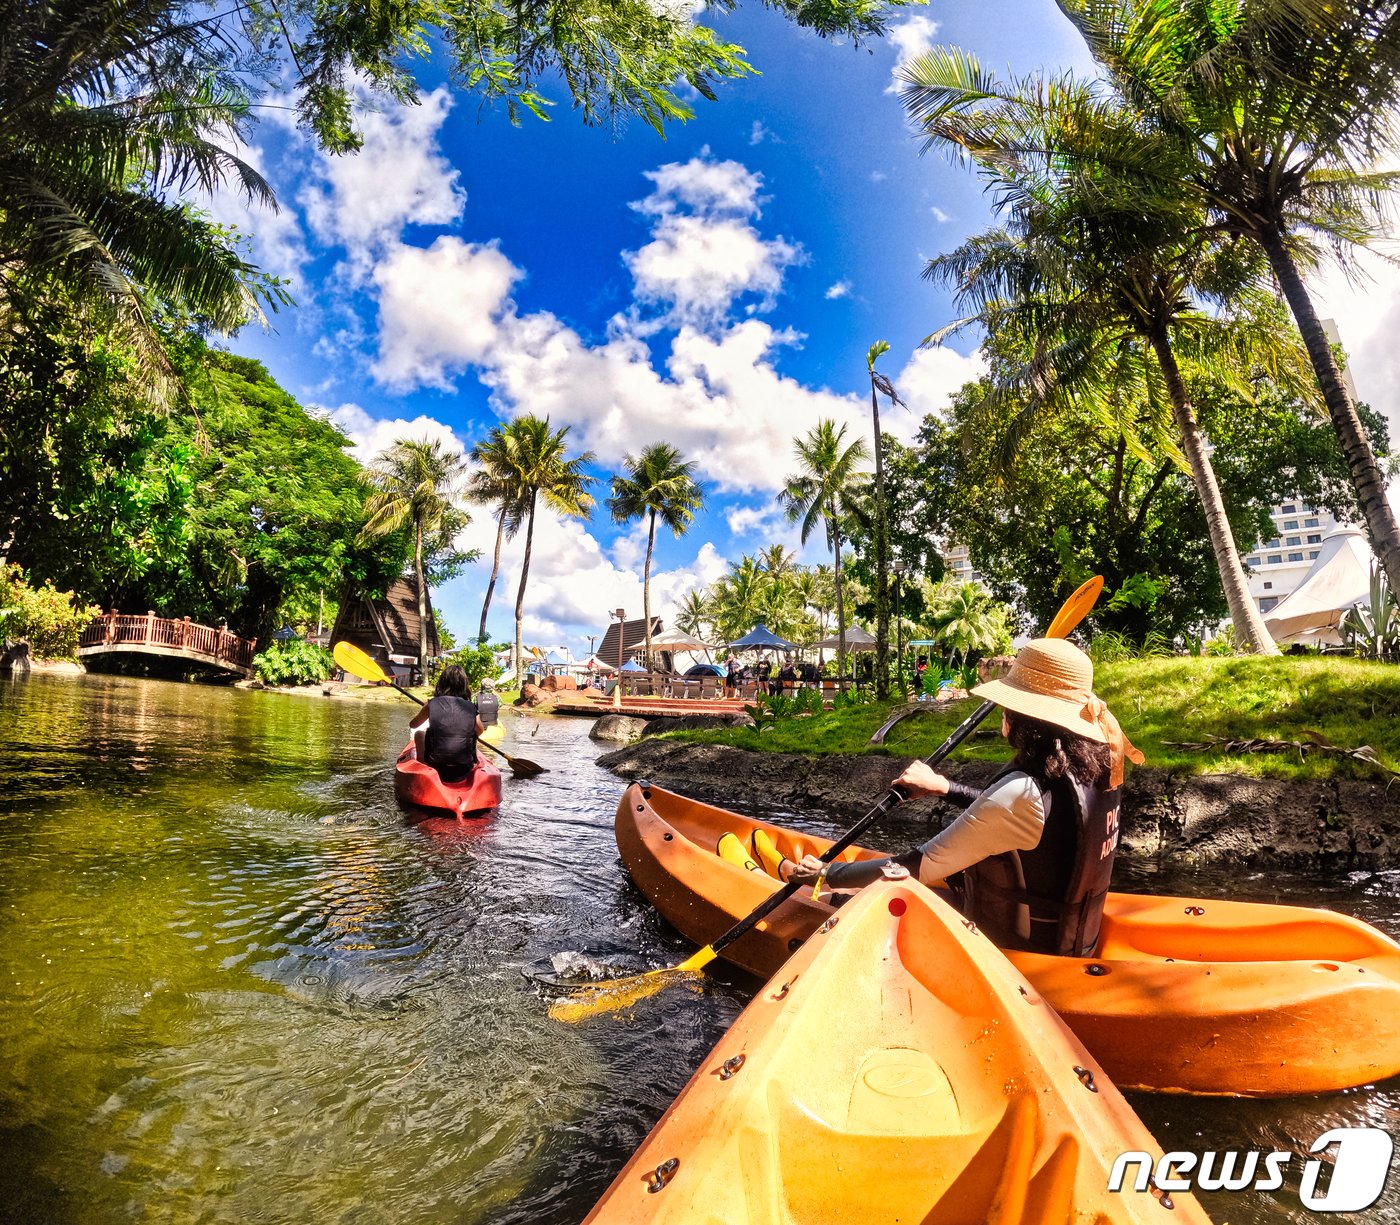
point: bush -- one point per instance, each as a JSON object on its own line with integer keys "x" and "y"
{"x": 478, "y": 662}
{"x": 293, "y": 663}
{"x": 50, "y": 620}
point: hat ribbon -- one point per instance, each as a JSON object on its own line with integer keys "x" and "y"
{"x": 1096, "y": 711}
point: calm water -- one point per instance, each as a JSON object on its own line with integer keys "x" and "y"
{"x": 239, "y": 988}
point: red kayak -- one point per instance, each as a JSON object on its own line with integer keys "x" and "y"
{"x": 418, "y": 785}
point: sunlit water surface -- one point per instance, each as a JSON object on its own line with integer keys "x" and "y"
{"x": 239, "y": 987}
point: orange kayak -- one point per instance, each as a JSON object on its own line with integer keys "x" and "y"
{"x": 1185, "y": 995}
{"x": 947, "y": 1093}
{"x": 417, "y": 784}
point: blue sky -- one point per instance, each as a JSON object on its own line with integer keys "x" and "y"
{"x": 718, "y": 289}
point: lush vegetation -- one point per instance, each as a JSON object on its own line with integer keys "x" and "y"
{"x": 294, "y": 662}
{"x": 48, "y": 619}
{"x": 1307, "y": 702}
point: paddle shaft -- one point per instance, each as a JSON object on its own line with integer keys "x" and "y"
{"x": 894, "y": 797}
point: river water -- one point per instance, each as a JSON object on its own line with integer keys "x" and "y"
{"x": 239, "y": 987}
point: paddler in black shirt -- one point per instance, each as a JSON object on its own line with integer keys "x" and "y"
{"x": 445, "y": 730}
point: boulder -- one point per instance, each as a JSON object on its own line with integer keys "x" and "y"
{"x": 15, "y": 659}
{"x": 559, "y": 684}
{"x": 619, "y": 729}
{"x": 533, "y": 696}
{"x": 993, "y": 667}
{"x": 697, "y": 723}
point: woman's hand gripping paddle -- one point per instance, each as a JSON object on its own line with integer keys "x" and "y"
{"x": 621, "y": 992}
{"x": 357, "y": 663}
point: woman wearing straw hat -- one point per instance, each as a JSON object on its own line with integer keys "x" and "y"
{"x": 1031, "y": 855}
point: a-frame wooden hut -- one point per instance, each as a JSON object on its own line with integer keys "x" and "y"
{"x": 387, "y": 628}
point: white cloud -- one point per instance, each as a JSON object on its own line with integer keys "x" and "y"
{"x": 758, "y": 134}
{"x": 928, "y": 380}
{"x": 371, "y": 435}
{"x": 1367, "y": 315}
{"x": 764, "y": 519}
{"x": 439, "y": 310}
{"x": 705, "y": 252}
{"x": 939, "y": 215}
{"x": 399, "y": 177}
{"x": 910, "y": 39}
{"x": 841, "y": 289}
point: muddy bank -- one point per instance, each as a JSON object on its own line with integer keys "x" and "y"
{"x": 1221, "y": 818}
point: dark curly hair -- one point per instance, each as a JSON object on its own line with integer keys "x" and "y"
{"x": 1048, "y": 752}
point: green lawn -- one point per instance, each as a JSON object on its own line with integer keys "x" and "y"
{"x": 1348, "y": 702}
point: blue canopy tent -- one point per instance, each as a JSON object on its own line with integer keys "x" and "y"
{"x": 761, "y": 638}
{"x": 632, "y": 666}
{"x": 285, "y": 634}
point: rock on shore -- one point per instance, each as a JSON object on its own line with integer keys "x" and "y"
{"x": 1342, "y": 824}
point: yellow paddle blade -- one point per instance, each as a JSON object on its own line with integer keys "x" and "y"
{"x": 622, "y": 993}
{"x": 614, "y": 996}
{"x": 1075, "y": 609}
{"x": 357, "y": 663}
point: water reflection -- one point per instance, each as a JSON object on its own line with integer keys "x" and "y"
{"x": 238, "y": 986}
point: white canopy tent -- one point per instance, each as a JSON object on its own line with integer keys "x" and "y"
{"x": 1340, "y": 579}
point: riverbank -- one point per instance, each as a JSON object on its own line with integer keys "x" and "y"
{"x": 1336, "y": 824}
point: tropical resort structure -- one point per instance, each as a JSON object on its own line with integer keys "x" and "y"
{"x": 387, "y": 628}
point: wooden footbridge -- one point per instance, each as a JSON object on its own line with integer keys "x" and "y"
{"x": 211, "y": 647}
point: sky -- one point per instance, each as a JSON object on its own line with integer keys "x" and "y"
{"x": 718, "y": 290}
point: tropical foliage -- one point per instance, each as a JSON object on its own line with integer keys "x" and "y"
{"x": 294, "y": 662}
{"x": 48, "y": 619}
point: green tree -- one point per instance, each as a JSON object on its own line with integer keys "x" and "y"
{"x": 418, "y": 485}
{"x": 966, "y": 618}
{"x": 545, "y": 470}
{"x": 820, "y": 492}
{"x": 657, "y": 484}
{"x": 695, "y": 614}
{"x": 1271, "y": 118}
{"x": 497, "y": 483}
{"x": 1084, "y": 283}
{"x": 881, "y": 385}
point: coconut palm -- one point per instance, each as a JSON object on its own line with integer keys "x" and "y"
{"x": 545, "y": 470}
{"x": 695, "y": 614}
{"x": 819, "y": 492}
{"x": 418, "y": 484}
{"x": 658, "y": 484}
{"x": 108, "y": 112}
{"x": 964, "y": 617}
{"x": 738, "y": 598}
{"x": 1271, "y": 117}
{"x": 1085, "y": 283}
{"x": 880, "y": 385}
{"x": 497, "y": 483}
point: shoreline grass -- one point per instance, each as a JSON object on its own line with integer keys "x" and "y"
{"x": 1348, "y": 702}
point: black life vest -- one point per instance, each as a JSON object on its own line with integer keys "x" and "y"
{"x": 1050, "y": 899}
{"x": 450, "y": 745}
{"x": 488, "y": 706}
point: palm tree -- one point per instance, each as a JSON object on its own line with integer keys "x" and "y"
{"x": 1272, "y": 118}
{"x": 107, "y": 114}
{"x": 544, "y": 470}
{"x": 819, "y": 492}
{"x": 658, "y": 484}
{"x": 881, "y": 385}
{"x": 497, "y": 483}
{"x": 964, "y": 617}
{"x": 694, "y": 613}
{"x": 1085, "y": 283}
{"x": 738, "y": 598}
{"x": 417, "y": 483}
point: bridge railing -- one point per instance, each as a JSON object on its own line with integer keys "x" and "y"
{"x": 115, "y": 629}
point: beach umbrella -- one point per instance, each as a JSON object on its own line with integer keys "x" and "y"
{"x": 672, "y": 640}
{"x": 761, "y": 638}
{"x": 857, "y": 639}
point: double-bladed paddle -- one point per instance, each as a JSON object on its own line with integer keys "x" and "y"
{"x": 620, "y": 992}
{"x": 357, "y": 663}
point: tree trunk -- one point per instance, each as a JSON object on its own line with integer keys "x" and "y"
{"x": 840, "y": 605}
{"x": 646, "y": 585}
{"x": 1249, "y": 625}
{"x": 495, "y": 570}
{"x": 422, "y": 601}
{"x": 1356, "y": 447}
{"x": 520, "y": 593}
{"x": 882, "y": 563}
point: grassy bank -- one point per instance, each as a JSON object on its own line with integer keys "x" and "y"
{"x": 1347, "y": 702}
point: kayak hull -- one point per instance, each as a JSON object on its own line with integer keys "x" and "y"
{"x": 949, "y": 1093}
{"x": 417, "y": 785}
{"x": 1184, "y": 995}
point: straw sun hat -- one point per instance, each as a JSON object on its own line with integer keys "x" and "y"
{"x": 1053, "y": 680}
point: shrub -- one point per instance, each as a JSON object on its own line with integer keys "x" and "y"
{"x": 478, "y": 662}
{"x": 293, "y": 663}
{"x": 50, "y": 620}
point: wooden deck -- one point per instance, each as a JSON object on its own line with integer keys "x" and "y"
{"x": 123, "y": 634}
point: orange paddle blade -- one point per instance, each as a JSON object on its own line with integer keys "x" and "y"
{"x": 357, "y": 663}
{"x": 1075, "y": 609}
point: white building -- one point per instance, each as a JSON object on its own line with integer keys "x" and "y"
{"x": 957, "y": 563}
{"x": 1278, "y": 565}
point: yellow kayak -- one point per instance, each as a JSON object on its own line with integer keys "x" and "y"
{"x": 896, "y": 1069}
